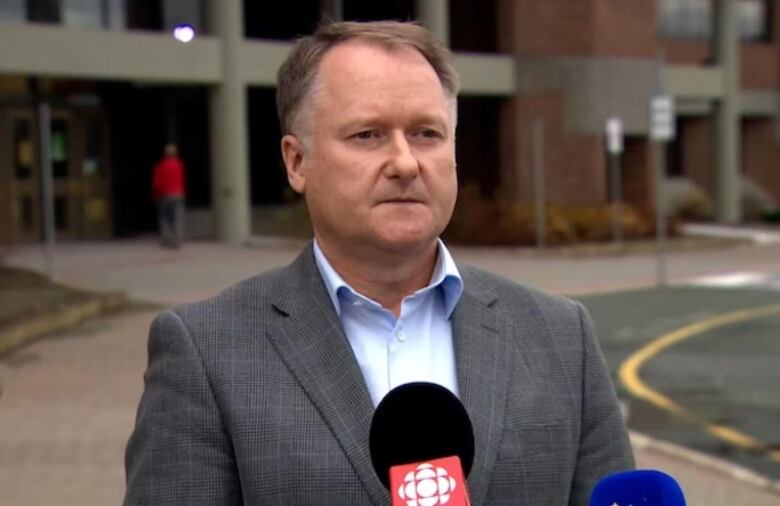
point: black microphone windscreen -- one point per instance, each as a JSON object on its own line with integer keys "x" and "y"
{"x": 417, "y": 422}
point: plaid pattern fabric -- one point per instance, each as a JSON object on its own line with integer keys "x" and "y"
{"x": 254, "y": 397}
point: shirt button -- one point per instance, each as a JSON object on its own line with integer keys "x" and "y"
{"x": 401, "y": 335}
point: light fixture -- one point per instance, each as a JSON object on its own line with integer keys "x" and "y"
{"x": 184, "y": 33}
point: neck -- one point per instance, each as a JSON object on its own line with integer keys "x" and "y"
{"x": 384, "y": 277}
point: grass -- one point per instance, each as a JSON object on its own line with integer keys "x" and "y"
{"x": 26, "y": 294}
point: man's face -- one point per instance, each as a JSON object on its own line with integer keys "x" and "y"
{"x": 376, "y": 161}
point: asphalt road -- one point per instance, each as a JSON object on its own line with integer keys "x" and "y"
{"x": 68, "y": 402}
{"x": 726, "y": 376}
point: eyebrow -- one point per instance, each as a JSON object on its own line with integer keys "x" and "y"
{"x": 374, "y": 119}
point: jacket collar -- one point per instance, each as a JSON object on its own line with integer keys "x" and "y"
{"x": 312, "y": 343}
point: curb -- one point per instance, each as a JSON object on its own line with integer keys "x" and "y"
{"x": 16, "y": 335}
{"x": 677, "y": 244}
{"x": 734, "y": 471}
{"x": 756, "y": 235}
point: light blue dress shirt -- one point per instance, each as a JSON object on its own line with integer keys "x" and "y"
{"x": 417, "y": 346}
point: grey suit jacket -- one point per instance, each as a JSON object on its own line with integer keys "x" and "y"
{"x": 255, "y": 397}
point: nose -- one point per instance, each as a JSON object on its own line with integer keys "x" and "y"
{"x": 402, "y": 163}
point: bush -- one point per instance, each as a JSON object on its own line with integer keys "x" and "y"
{"x": 685, "y": 200}
{"x": 482, "y": 221}
{"x": 755, "y": 200}
{"x": 772, "y": 216}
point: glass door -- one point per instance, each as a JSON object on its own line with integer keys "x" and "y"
{"x": 24, "y": 194}
{"x": 80, "y": 175}
{"x": 66, "y": 184}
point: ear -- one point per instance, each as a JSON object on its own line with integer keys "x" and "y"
{"x": 293, "y": 153}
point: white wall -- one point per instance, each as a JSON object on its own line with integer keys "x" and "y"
{"x": 82, "y": 13}
{"x": 13, "y": 10}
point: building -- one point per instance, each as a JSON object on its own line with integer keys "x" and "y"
{"x": 118, "y": 85}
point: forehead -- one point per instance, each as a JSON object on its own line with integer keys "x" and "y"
{"x": 360, "y": 71}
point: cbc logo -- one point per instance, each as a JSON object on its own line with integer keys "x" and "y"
{"x": 427, "y": 486}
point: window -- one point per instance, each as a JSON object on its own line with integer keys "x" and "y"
{"x": 473, "y": 26}
{"x": 24, "y": 151}
{"x": 693, "y": 19}
{"x": 280, "y": 20}
{"x": 83, "y": 13}
{"x": 93, "y": 161}
{"x": 60, "y": 213}
{"x": 59, "y": 148}
{"x": 45, "y": 11}
{"x": 26, "y": 213}
{"x": 144, "y": 15}
{"x": 360, "y": 10}
{"x": 754, "y": 20}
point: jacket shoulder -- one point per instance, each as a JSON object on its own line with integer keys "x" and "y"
{"x": 515, "y": 298}
{"x": 238, "y": 306}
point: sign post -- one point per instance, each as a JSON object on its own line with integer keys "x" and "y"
{"x": 540, "y": 211}
{"x": 662, "y": 130}
{"x": 47, "y": 186}
{"x": 614, "y": 130}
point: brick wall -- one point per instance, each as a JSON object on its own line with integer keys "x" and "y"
{"x": 759, "y": 66}
{"x": 625, "y": 29}
{"x": 576, "y": 167}
{"x": 579, "y": 28}
{"x": 575, "y": 164}
{"x": 698, "y": 152}
{"x": 761, "y": 154}
{"x": 638, "y": 162}
{"x": 551, "y": 27}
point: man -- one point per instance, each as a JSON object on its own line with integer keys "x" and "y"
{"x": 264, "y": 394}
{"x": 168, "y": 192}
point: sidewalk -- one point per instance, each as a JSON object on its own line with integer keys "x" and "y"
{"x": 67, "y": 404}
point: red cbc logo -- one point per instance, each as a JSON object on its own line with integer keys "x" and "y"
{"x": 427, "y": 485}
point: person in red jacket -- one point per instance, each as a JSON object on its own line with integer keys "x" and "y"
{"x": 168, "y": 191}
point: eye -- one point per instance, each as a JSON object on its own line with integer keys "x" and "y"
{"x": 366, "y": 135}
{"x": 428, "y": 134}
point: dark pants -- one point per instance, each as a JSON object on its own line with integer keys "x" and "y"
{"x": 170, "y": 213}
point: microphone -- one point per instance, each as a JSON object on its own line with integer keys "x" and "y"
{"x": 422, "y": 446}
{"x": 645, "y": 487}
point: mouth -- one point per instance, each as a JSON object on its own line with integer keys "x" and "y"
{"x": 401, "y": 200}
{"x": 400, "y": 203}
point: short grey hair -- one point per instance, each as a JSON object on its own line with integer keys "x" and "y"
{"x": 296, "y": 76}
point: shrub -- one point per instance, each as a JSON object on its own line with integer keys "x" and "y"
{"x": 755, "y": 200}
{"x": 482, "y": 221}
{"x": 772, "y": 216}
{"x": 685, "y": 200}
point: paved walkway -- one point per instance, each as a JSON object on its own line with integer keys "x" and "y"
{"x": 67, "y": 403}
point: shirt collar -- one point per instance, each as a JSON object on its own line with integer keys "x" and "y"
{"x": 445, "y": 275}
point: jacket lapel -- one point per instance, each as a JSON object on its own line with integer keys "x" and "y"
{"x": 311, "y": 341}
{"x": 482, "y": 354}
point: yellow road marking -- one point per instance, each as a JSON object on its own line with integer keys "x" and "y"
{"x": 629, "y": 375}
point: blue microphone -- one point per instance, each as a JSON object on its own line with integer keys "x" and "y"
{"x": 637, "y": 488}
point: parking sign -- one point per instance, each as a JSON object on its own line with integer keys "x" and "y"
{"x": 662, "y": 118}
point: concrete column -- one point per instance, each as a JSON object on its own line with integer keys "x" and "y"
{"x": 726, "y": 47}
{"x": 229, "y": 128}
{"x": 176, "y": 12}
{"x": 13, "y": 10}
{"x": 333, "y": 10}
{"x": 435, "y": 15}
{"x": 116, "y": 14}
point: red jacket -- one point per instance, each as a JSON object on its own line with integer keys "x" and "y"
{"x": 168, "y": 178}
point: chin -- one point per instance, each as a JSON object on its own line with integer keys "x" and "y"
{"x": 408, "y": 243}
